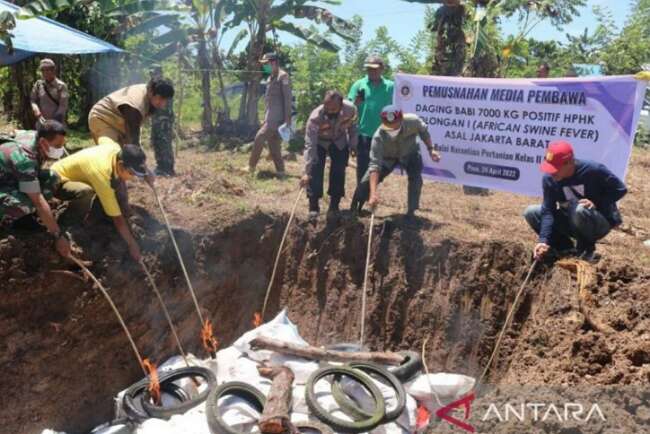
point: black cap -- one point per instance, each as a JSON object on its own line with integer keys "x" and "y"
{"x": 374, "y": 62}
{"x": 269, "y": 57}
{"x": 134, "y": 158}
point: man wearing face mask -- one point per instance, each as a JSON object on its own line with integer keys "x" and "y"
{"x": 278, "y": 111}
{"x": 49, "y": 96}
{"x": 394, "y": 144}
{"x": 331, "y": 130}
{"x": 102, "y": 169}
{"x": 117, "y": 118}
{"x": 580, "y": 202}
{"x": 370, "y": 94}
{"x": 25, "y": 186}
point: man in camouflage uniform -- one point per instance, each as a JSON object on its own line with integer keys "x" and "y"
{"x": 24, "y": 186}
{"x": 278, "y": 111}
{"x": 162, "y": 130}
{"x": 49, "y": 95}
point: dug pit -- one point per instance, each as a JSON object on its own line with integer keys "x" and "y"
{"x": 64, "y": 356}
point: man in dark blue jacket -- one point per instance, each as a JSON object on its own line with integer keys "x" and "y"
{"x": 580, "y": 199}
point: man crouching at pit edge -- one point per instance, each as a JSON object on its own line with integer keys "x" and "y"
{"x": 395, "y": 143}
{"x": 580, "y": 199}
{"x": 103, "y": 169}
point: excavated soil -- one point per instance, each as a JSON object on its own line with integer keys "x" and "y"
{"x": 64, "y": 357}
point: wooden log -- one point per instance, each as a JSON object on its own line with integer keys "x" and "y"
{"x": 315, "y": 353}
{"x": 275, "y": 417}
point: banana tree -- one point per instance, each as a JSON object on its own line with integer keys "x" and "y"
{"x": 465, "y": 30}
{"x": 7, "y": 24}
{"x": 261, "y": 17}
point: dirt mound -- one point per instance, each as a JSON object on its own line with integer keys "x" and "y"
{"x": 64, "y": 356}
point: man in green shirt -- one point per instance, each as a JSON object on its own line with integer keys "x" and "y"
{"x": 370, "y": 94}
{"x": 395, "y": 143}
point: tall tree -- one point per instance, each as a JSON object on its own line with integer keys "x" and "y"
{"x": 630, "y": 49}
{"x": 261, "y": 17}
{"x": 465, "y": 31}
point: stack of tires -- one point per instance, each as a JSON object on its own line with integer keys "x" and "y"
{"x": 359, "y": 419}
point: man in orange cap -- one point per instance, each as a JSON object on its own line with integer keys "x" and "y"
{"x": 580, "y": 202}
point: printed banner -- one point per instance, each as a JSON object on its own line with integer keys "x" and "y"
{"x": 493, "y": 133}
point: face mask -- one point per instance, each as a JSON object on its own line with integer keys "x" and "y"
{"x": 55, "y": 153}
{"x": 266, "y": 69}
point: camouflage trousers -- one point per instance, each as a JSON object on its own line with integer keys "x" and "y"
{"x": 162, "y": 133}
{"x": 15, "y": 204}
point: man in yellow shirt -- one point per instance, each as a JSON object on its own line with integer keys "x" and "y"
{"x": 103, "y": 168}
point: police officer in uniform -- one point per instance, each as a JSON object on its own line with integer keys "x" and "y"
{"x": 278, "y": 111}
{"x": 331, "y": 129}
{"x": 49, "y": 96}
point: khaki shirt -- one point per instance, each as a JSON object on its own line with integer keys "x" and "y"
{"x": 323, "y": 131}
{"x": 278, "y": 99}
{"x": 107, "y": 108}
{"x": 49, "y": 108}
{"x": 386, "y": 150}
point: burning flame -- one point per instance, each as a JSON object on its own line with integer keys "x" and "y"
{"x": 154, "y": 384}
{"x": 257, "y": 319}
{"x": 210, "y": 343}
{"x": 422, "y": 418}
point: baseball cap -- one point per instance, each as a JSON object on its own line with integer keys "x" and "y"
{"x": 47, "y": 63}
{"x": 557, "y": 154}
{"x": 374, "y": 62}
{"x": 133, "y": 158}
{"x": 390, "y": 114}
{"x": 268, "y": 57}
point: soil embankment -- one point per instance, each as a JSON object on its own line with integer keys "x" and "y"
{"x": 64, "y": 356}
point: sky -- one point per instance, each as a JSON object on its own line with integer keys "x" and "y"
{"x": 405, "y": 19}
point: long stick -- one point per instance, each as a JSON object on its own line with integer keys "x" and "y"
{"x": 317, "y": 353}
{"x": 164, "y": 308}
{"x": 178, "y": 253}
{"x": 117, "y": 313}
{"x": 365, "y": 281}
{"x": 507, "y": 323}
{"x": 277, "y": 257}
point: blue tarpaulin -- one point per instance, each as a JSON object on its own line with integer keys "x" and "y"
{"x": 43, "y": 35}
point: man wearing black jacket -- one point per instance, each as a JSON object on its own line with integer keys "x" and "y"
{"x": 580, "y": 202}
